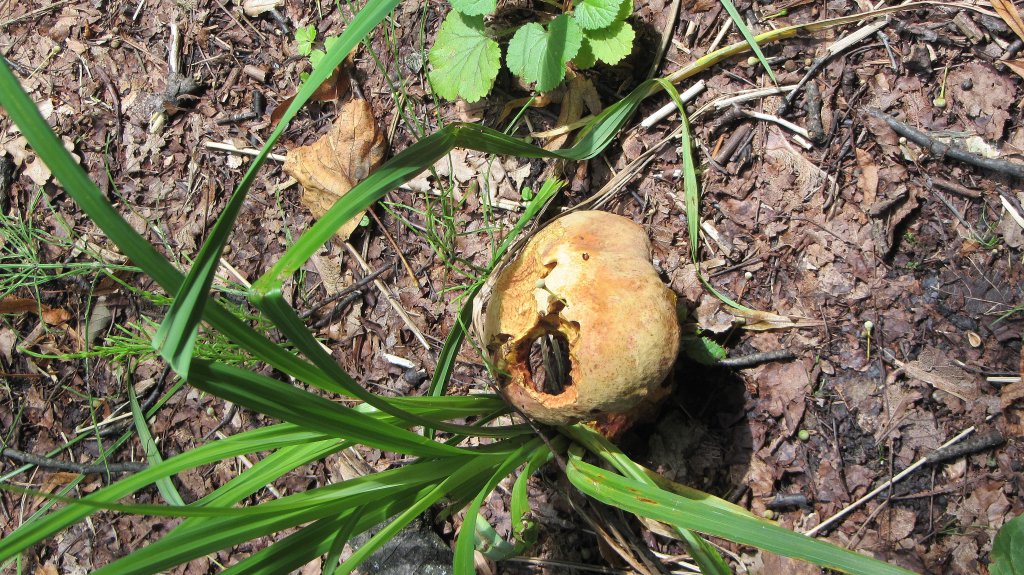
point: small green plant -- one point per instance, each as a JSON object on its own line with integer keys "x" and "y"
{"x": 305, "y": 40}
{"x": 466, "y": 56}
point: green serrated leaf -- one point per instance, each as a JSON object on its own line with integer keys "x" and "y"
{"x": 610, "y": 45}
{"x": 539, "y": 55}
{"x": 474, "y": 7}
{"x": 329, "y": 42}
{"x": 464, "y": 61}
{"x": 625, "y": 10}
{"x": 1008, "y": 549}
{"x": 315, "y": 56}
{"x": 305, "y": 38}
{"x": 596, "y": 14}
{"x": 703, "y": 350}
{"x": 585, "y": 58}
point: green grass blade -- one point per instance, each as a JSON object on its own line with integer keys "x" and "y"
{"x": 487, "y": 540}
{"x": 472, "y": 471}
{"x": 703, "y": 553}
{"x": 466, "y": 540}
{"x": 313, "y": 412}
{"x": 175, "y": 338}
{"x": 409, "y": 162}
{"x": 389, "y": 491}
{"x": 267, "y": 438}
{"x": 89, "y": 198}
{"x": 284, "y": 316}
{"x": 164, "y": 484}
{"x": 694, "y": 513}
{"x": 749, "y": 37}
{"x": 294, "y": 551}
{"x": 691, "y": 194}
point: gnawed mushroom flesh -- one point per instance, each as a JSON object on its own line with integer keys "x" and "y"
{"x": 579, "y": 326}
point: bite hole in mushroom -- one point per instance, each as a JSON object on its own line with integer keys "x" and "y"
{"x": 549, "y": 363}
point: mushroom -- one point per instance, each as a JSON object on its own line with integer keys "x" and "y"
{"x": 579, "y": 326}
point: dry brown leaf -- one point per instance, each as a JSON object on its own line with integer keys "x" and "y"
{"x": 331, "y": 166}
{"x": 1011, "y": 394}
{"x": 579, "y": 92}
{"x": 1008, "y": 12}
{"x": 19, "y": 305}
{"x": 933, "y": 368}
{"x": 757, "y": 320}
{"x": 867, "y": 181}
{"x": 1015, "y": 65}
{"x": 334, "y": 87}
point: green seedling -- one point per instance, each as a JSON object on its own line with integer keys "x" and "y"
{"x": 940, "y": 100}
{"x": 466, "y": 56}
{"x": 305, "y": 40}
{"x": 868, "y": 327}
{"x": 780, "y": 14}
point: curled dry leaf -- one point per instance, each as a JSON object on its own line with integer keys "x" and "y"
{"x": 331, "y": 166}
{"x": 1008, "y": 12}
{"x": 580, "y": 327}
{"x": 19, "y": 305}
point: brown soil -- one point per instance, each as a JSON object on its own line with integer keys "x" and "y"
{"x": 859, "y": 226}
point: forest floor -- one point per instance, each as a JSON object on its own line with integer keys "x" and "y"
{"x": 903, "y": 271}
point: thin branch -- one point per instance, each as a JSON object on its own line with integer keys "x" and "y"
{"x": 56, "y": 465}
{"x": 896, "y": 479}
{"x": 943, "y": 150}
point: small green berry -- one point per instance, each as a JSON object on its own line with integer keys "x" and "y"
{"x": 939, "y": 102}
{"x": 768, "y": 514}
{"x": 540, "y": 284}
{"x": 868, "y": 326}
{"x": 751, "y": 60}
{"x": 803, "y": 435}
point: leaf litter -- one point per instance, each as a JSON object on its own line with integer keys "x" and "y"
{"x": 801, "y": 222}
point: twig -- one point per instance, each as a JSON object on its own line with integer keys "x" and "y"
{"x": 398, "y": 251}
{"x": 898, "y": 477}
{"x": 756, "y": 359}
{"x": 943, "y": 150}
{"x": 229, "y": 147}
{"x": 391, "y": 299}
{"x": 955, "y": 188}
{"x": 802, "y": 133}
{"x": 666, "y": 37}
{"x": 223, "y": 421}
{"x": 34, "y": 13}
{"x": 837, "y": 47}
{"x": 359, "y": 285}
{"x": 668, "y": 109}
{"x": 971, "y": 446}
{"x": 84, "y": 469}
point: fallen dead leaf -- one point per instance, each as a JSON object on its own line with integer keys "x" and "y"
{"x": 580, "y": 92}
{"x": 987, "y": 102}
{"x": 867, "y": 181}
{"x": 19, "y": 305}
{"x": 783, "y": 387}
{"x": 1010, "y": 394}
{"x": 757, "y": 320}
{"x": 933, "y": 368}
{"x": 334, "y": 87}
{"x": 331, "y": 166}
{"x": 1008, "y": 12}
{"x": 1015, "y": 65}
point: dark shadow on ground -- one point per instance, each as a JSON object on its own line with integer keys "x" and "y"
{"x": 702, "y": 437}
